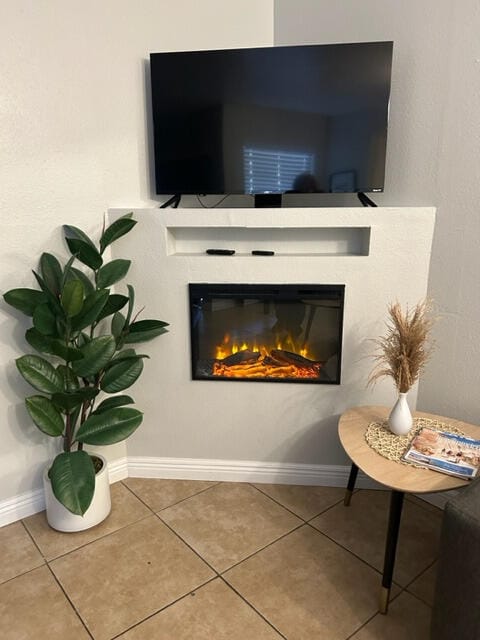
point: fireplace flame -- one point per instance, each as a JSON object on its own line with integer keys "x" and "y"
{"x": 284, "y": 360}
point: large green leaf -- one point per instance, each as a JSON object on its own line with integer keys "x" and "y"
{"x": 122, "y": 375}
{"x": 112, "y": 403}
{"x": 122, "y": 355}
{"x": 85, "y": 253}
{"x": 73, "y": 480}
{"x": 118, "y": 324}
{"x": 45, "y": 415}
{"x": 44, "y": 320}
{"x": 145, "y": 330}
{"x": 52, "y": 346}
{"x": 96, "y": 354}
{"x": 115, "y": 302}
{"x": 72, "y": 297}
{"x": 40, "y": 374}
{"x": 112, "y": 272}
{"x": 25, "y": 300}
{"x": 116, "y": 230}
{"x": 51, "y": 299}
{"x": 92, "y": 307}
{"x": 67, "y": 273}
{"x": 76, "y": 274}
{"x": 127, "y": 354}
{"x": 51, "y": 272}
{"x": 131, "y": 302}
{"x": 69, "y": 354}
{"x": 76, "y": 234}
{"x": 38, "y": 341}
{"x": 70, "y": 380}
{"x": 70, "y": 401}
{"x": 112, "y": 426}
{"x": 83, "y": 339}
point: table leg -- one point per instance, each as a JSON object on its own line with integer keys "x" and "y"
{"x": 396, "y": 504}
{"x": 352, "y": 478}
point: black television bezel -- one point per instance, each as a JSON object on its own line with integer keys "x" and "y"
{"x": 264, "y": 197}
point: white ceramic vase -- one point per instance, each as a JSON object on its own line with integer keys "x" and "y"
{"x": 62, "y": 519}
{"x": 400, "y": 419}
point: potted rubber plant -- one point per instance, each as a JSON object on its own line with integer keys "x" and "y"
{"x": 84, "y": 337}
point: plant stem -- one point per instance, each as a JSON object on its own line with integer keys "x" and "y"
{"x": 83, "y": 417}
{"x": 67, "y": 441}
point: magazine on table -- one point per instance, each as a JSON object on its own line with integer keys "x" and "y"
{"x": 446, "y": 452}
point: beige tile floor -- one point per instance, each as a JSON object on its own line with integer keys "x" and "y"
{"x": 185, "y": 560}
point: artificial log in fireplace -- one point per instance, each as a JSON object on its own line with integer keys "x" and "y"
{"x": 266, "y": 333}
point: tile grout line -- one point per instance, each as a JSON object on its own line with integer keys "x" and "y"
{"x": 77, "y": 613}
{"x": 217, "y": 574}
{"x": 276, "y": 502}
{"x": 352, "y": 635}
{"x": 101, "y": 537}
{"x": 167, "y": 606}
{"x": 137, "y": 497}
{"x": 402, "y": 588}
{"x": 197, "y": 553}
{"x": 406, "y": 588}
{"x": 254, "y": 553}
{"x": 23, "y": 573}
{"x": 370, "y": 566}
{"x": 170, "y": 505}
{"x": 270, "y": 624}
{"x": 293, "y": 512}
{"x": 33, "y": 540}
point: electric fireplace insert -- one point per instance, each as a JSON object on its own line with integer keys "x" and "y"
{"x": 266, "y": 332}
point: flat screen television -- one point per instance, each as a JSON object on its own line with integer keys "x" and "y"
{"x": 271, "y": 120}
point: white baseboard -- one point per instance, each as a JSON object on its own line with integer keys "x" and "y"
{"x": 21, "y": 506}
{"x": 118, "y": 470}
{"x": 26, "y": 504}
{"x": 238, "y": 471}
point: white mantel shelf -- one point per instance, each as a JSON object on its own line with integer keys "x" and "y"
{"x": 340, "y": 232}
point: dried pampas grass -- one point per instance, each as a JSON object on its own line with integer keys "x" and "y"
{"x": 404, "y": 351}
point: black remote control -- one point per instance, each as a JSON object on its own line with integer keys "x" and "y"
{"x": 220, "y": 252}
{"x": 262, "y": 253}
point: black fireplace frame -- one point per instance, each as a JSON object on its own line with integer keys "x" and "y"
{"x": 266, "y": 291}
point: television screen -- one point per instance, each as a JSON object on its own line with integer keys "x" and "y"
{"x": 309, "y": 118}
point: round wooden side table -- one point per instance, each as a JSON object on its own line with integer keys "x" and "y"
{"x": 400, "y": 478}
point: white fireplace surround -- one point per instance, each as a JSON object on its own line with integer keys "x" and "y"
{"x": 264, "y": 432}
{"x": 380, "y": 254}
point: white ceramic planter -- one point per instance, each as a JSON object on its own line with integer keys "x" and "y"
{"x": 62, "y": 519}
{"x": 400, "y": 419}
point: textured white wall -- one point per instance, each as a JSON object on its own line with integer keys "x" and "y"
{"x": 73, "y": 143}
{"x": 432, "y": 157}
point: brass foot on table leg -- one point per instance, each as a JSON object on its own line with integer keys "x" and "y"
{"x": 347, "y": 497}
{"x": 384, "y": 598}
